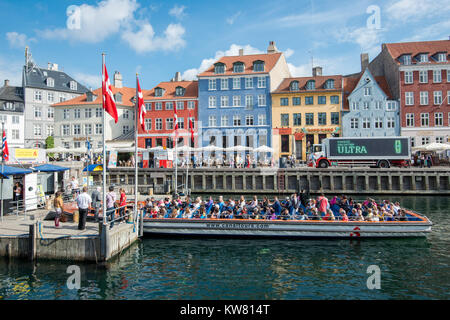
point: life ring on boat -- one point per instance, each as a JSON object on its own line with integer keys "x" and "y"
{"x": 355, "y": 233}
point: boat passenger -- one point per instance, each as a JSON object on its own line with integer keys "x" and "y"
{"x": 276, "y": 206}
{"x": 285, "y": 215}
{"x": 186, "y": 213}
{"x": 323, "y": 204}
{"x": 315, "y": 215}
{"x": 344, "y": 216}
{"x": 402, "y": 215}
{"x": 174, "y": 213}
{"x": 302, "y": 215}
{"x": 359, "y": 215}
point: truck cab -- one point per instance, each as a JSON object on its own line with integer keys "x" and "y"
{"x": 318, "y": 152}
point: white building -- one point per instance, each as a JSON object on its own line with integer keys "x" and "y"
{"x": 12, "y": 114}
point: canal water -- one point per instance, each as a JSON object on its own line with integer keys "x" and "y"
{"x": 255, "y": 269}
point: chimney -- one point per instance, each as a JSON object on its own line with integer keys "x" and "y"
{"x": 272, "y": 47}
{"x": 52, "y": 66}
{"x": 177, "y": 77}
{"x": 317, "y": 71}
{"x": 241, "y": 52}
{"x": 364, "y": 61}
{"x": 6, "y": 82}
{"x": 117, "y": 79}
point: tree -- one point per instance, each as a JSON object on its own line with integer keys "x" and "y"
{"x": 49, "y": 144}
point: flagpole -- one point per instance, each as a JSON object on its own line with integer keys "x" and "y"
{"x": 136, "y": 149}
{"x": 3, "y": 161}
{"x": 104, "y": 146}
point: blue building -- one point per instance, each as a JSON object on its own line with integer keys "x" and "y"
{"x": 235, "y": 105}
{"x": 372, "y": 110}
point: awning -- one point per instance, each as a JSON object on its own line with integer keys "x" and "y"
{"x": 94, "y": 167}
{"x": 50, "y": 168}
{"x": 9, "y": 171}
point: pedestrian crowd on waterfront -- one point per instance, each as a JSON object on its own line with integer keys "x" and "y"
{"x": 296, "y": 207}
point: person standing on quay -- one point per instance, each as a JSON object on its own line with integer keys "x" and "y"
{"x": 122, "y": 204}
{"x": 110, "y": 204}
{"x": 96, "y": 201}
{"x": 83, "y": 201}
{"x": 58, "y": 205}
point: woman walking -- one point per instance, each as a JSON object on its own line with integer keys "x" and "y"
{"x": 58, "y": 204}
{"x": 122, "y": 204}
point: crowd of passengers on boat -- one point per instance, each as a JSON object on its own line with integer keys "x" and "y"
{"x": 296, "y": 207}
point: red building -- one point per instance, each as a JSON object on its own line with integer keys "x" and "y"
{"x": 419, "y": 75}
{"x": 160, "y": 103}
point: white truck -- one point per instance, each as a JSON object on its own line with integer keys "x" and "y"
{"x": 380, "y": 152}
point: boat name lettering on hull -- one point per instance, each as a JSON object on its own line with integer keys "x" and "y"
{"x": 251, "y": 226}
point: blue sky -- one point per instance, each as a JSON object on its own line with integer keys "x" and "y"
{"x": 158, "y": 38}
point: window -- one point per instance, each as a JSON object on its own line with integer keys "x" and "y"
{"x": 224, "y": 83}
{"x": 285, "y": 120}
{"x": 159, "y": 92}
{"x": 179, "y": 91}
{"x": 169, "y": 123}
{"x": 261, "y": 82}
{"x": 424, "y": 119}
{"x": 248, "y": 101}
{"x": 423, "y": 76}
{"x": 180, "y": 105}
{"x": 329, "y": 84}
{"x": 148, "y": 106}
{"x": 390, "y": 105}
{"x": 73, "y": 85}
{"x": 310, "y": 85}
{"x": 437, "y": 97}
{"x": 423, "y": 57}
{"x": 410, "y": 119}
{"x": 366, "y": 105}
{"x": 297, "y": 119}
{"x": 158, "y": 124}
{"x": 50, "y": 113}
{"x": 367, "y": 91}
{"x": 439, "y": 140}
{"x": 212, "y": 84}
{"x": 236, "y": 83}
{"x": 37, "y": 112}
{"x": 62, "y": 97}
{"x": 16, "y": 119}
{"x": 88, "y": 113}
{"x": 249, "y": 120}
{"x": 180, "y": 122}
{"x": 409, "y": 98}
{"x": 448, "y": 97}
{"x": 76, "y": 129}
{"x": 212, "y": 102}
{"x": 224, "y": 121}
{"x": 425, "y": 140}
{"x": 390, "y": 122}
{"x": 309, "y": 100}
{"x": 148, "y": 124}
{"x": 50, "y": 82}
{"x": 15, "y": 134}
{"x": 169, "y": 105}
{"x": 238, "y": 67}
{"x": 125, "y": 129}
{"x": 236, "y": 120}
{"x": 424, "y": 98}
{"x": 335, "y": 118}
{"x": 334, "y": 99}
{"x": 8, "y": 105}
{"x": 88, "y": 129}
{"x": 442, "y": 57}
{"x": 76, "y": 113}
{"x": 377, "y": 105}
{"x": 366, "y": 123}
{"x": 261, "y": 100}
{"x": 294, "y": 86}
{"x": 65, "y": 130}
{"x": 354, "y": 106}
{"x": 284, "y": 101}
{"x": 406, "y": 59}
{"x": 38, "y": 95}
{"x": 309, "y": 119}
{"x": 98, "y": 128}
{"x": 354, "y": 122}
{"x": 224, "y": 101}
{"x": 191, "y": 105}
{"x": 77, "y": 144}
{"x": 413, "y": 142}
{"x": 98, "y": 112}
{"x": 285, "y": 143}
{"x": 438, "y": 119}
{"x": 322, "y": 100}
{"x": 261, "y": 119}
{"x": 50, "y": 97}
{"x": 236, "y": 101}
{"x": 296, "y": 101}
{"x": 437, "y": 76}
{"x": 322, "y": 118}
{"x": 378, "y": 123}
{"x": 408, "y": 77}
{"x": 248, "y": 83}
{"x": 158, "y": 106}
{"x": 219, "y": 68}
{"x": 258, "y": 66}
{"x": 448, "y": 75}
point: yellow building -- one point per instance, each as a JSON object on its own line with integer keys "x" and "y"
{"x": 305, "y": 111}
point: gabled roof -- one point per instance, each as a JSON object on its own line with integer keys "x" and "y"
{"x": 127, "y": 96}
{"x": 169, "y": 87}
{"x": 396, "y": 50}
{"x": 11, "y": 93}
{"x": 269, "y": 59}
{"x": 37, "y": 78}
{"x": 284, "y": 87}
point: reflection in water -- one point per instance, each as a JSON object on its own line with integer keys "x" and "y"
{"x": 253, "y": 269}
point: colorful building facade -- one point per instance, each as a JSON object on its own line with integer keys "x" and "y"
{"x": 305, "y": 111}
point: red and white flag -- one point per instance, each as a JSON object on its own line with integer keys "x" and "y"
{"x": 108, "y": 97}
{"x": 191, "y": 126}
{"x": 5, "y": 151}
{"x": 175, "y": 119}
{"x": 141, "y": 105}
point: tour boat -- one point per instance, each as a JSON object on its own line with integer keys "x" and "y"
{"x": 416, "y": 226}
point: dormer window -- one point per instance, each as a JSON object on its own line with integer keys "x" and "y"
{"x": 406, "y": 59}
{"x": 73, "y": 85}
{"x": 442, "y": 57}
{"x": 219, "y": 68}
{"x": 423, "y": 57}
{"x": 159, "y": 92}
{"x": 329, "y": 84}
{"x": 118, "y": 97}
{"x": 238, "y": 67}
{"x": 90, "y": 96}
{"x": 294, "y": 86}
{"x": 179, "y": 91}
{"x": 50, "y": 82}
{"x": 258, "y": 66}
{"x": 311, "y": 85}
{"x": 8, "y": 105}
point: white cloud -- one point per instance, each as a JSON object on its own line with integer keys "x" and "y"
{"x": 369, "y": 40}
{"x": 191, "y": 74}
{"x": 18, "y": 40}
{"x": 177, "y": 11}
{"x": 10, "y": 70}
{"x": 233, "y": 18}
{"x": 89, "y": 80}
{"x": 303, "y": 70}
{"x": 408, "y": 10}
{"x": 434, "y": 31}
{"x": 289, "y": 52}
{"x": 144, "y": 40}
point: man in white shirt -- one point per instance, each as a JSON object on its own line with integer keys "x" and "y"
{"x": 83, "y": 201}
{"x": 74, "y": 186}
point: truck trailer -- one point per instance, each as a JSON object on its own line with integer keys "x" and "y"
{"x": 380, "y": 152}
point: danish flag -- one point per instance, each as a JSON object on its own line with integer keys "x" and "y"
{"x": 5, "y": 151}
{"x": 141, "y": 106}
{"x": 175, "y": 119}
{"x": 191, "y": 126}
{"x": 108, "y": 98}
